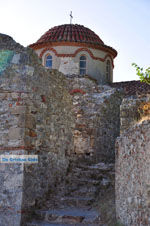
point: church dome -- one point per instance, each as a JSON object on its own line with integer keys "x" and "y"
{"x": 70, "y": 33}
{"x": 73, "y": 34}
{"x": 76, "y": 50}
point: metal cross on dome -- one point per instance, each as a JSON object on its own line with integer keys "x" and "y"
{"x": 71, "y": 17}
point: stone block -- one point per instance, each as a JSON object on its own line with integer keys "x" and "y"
{"x": 18, "y": 110}
{"x": 15, "y": 133}
{"x": 30, "y": 122}
{"x": 15, "y": 59}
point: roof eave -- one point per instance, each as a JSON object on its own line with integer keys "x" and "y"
{"x": 103, "y": 47}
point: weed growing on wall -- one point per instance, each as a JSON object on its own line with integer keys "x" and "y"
{"x": 144, "y": 76}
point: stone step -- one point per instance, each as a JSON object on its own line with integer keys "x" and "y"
{"x": 83, "y": 191}
{"x": 100, "y": 167}
{"x": 75, "y": 185}
{"x": 88, "y": 174}
{"x": 97, "y": 167}
{"x": 72, "y": 199}
{"x": 66, "y": 216}
{"x": 78, "y": 189}
{"x": 77, "y": 160}
{"x": 83, "y": 181}
{"x": 42, "y": 223}
{"x": 76, "y": 201}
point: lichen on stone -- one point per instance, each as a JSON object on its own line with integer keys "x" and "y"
{"x": 5, "y": 59}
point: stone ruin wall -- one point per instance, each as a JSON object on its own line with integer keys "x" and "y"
{"x": 132, "y": 110}
{"x": 133, "y": 163}
{"x": 43, "y": 113}
{"x": 97, "y": 118}
{"x": 36, "y": 118}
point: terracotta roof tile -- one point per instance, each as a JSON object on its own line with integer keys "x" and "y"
{"x": 132, "y": 87}
{"x": 70, "y": 32}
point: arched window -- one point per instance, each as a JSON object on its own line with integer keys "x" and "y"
{"x": 82, "y": 65}
{"x": 108, "y": 71}
{"x": 48, "y": 61}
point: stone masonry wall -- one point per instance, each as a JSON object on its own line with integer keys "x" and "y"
{"x": 12, "y": 131}
{"x": 11, "y": 193}
{"x": 36, "y": 118}
{"x": 132, "y": 110}
{"x": 46, "y": 114}
{"x": 133, "y": 176}
{"x": 97, "y": 111}
{"x": 133, "y": 164}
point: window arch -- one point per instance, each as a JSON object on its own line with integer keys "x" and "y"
{"x": 108, "y": 70}
{"x": 48, "y": 61}
{"x": 82, "y": 65}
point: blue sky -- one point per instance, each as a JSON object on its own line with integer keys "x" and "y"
{"x": 122, "y": 24}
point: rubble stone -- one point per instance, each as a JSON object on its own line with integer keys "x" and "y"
{"x": 132, "y": 163}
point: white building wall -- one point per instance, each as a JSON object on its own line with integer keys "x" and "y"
{"x": 70, "y": 65}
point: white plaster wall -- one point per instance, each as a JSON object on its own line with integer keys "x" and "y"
{"x": 38, "y": 51}
{"x": 68, "y": 65}
{"x": 72, "y": 49}
{"x": 66, "y": 49}
{"x": 98, "y": 53}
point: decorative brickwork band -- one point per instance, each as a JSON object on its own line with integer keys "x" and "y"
{"x": 75, "y": 53}
{"x": 16, "y": 148}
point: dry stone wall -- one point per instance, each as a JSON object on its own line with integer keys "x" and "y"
{"x": 11, "y": 191}
{"x": 97, "y": 113}
{"x": 55, "y": 117}
{"x": 36, "y": 118}
{"x": 133, "y": 163}
{"x": 132, "y": 110}
{"x": 11, "y": 142}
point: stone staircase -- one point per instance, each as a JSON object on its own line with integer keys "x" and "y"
{"x": 73, "y": 205}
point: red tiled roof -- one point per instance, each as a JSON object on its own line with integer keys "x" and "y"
{"x": 132, "y": 87}
{"x": 71, "y": 33}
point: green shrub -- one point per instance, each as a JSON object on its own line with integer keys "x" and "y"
{"x": 144, "y": 76}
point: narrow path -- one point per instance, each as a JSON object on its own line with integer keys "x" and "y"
{"x": 74, "y": 203}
